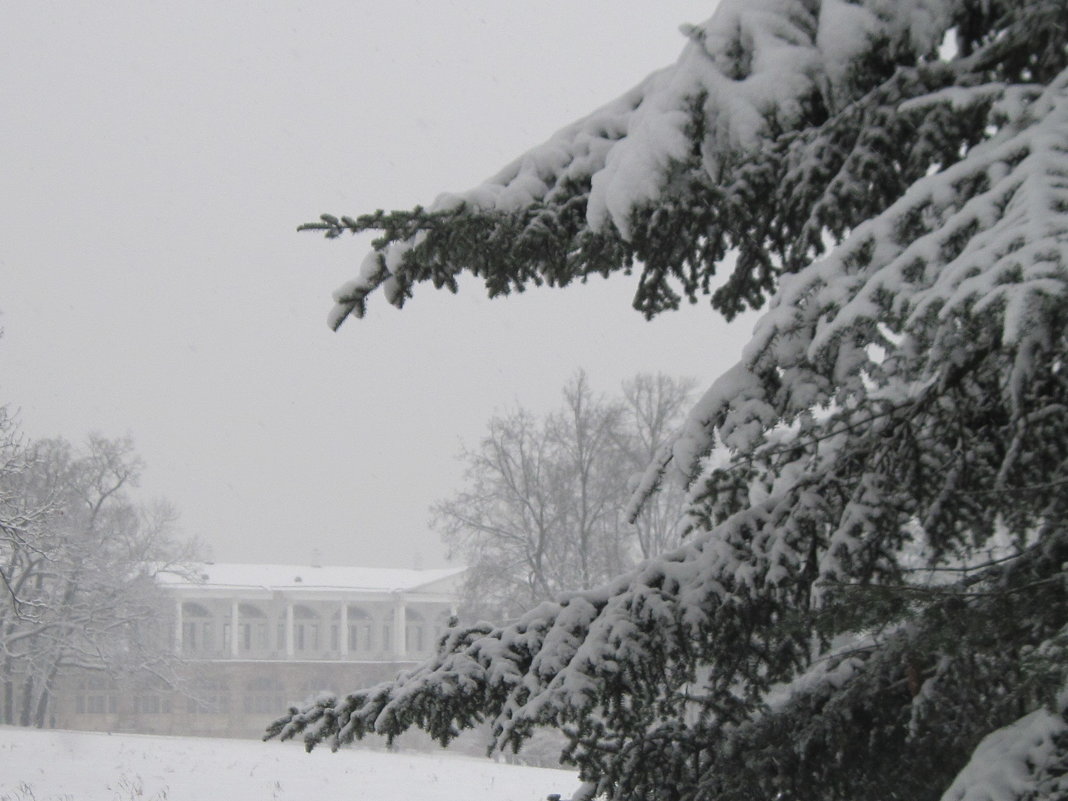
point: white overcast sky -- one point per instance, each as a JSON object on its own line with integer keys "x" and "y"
{"x": 156, "y": 160}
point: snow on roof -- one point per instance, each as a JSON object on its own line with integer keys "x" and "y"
{"x": 281, "y": 577}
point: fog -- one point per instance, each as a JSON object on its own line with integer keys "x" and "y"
{"x": 157, "y": 162}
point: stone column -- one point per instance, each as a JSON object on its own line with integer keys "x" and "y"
{"x": 343, "y": 633}
{"x": 290, "y": 639}
{"x": 400, "y": 634}
{"x": 235, "y": 620}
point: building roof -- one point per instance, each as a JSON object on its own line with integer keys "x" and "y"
{"x": 220, "y": 575}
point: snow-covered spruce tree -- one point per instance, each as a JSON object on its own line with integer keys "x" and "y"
{"x": 874, "y": 583}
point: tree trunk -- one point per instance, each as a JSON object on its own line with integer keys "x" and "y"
{"x": 42, "y": 707}
{"x": 27, "y": 702}
{"x": 7, "y": 711}
{"x": 45, "y": 698}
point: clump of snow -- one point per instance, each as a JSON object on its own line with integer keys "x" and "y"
{"x": 749, "y": 58}
{"x": 845, "y": 30}
{"x": 1017, "y": 262}
{"x": 1011, "y": 763}
{"x": 753, "y": 61}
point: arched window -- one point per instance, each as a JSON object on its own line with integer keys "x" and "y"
{"x": 305, "y": 629}
{"x": 197, "y": 629}
{"x": 361, "y": 631}
{"x": 387, "y": 633}
{"x": 415, "y": 631}
{"x": 253, "y": 623}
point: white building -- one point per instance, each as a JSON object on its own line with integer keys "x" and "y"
{"x": 287, "y": 612}
{"x": 255, "y": 638}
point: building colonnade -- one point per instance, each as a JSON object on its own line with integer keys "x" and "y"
{"x": 294, "y": 628}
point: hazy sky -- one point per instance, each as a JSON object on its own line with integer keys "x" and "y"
{"x": 157, "y": 158}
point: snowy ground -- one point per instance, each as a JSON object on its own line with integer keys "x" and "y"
{"x": 88, "y": 766}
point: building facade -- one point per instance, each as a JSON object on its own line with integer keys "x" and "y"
{"x": 253, "y": 639}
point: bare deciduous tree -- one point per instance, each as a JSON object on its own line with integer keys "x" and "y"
{"x": 654, "y": 405}
{"x": 541, "y": 512}
{"x": 79, "y": 565}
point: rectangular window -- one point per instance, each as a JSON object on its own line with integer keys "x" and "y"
{"x": 362, "y": 637}
{"x": 335, "y": 638}
{"x": 189, "y": 636}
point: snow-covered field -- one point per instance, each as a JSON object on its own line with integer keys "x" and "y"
{"x": 88, "y": 766}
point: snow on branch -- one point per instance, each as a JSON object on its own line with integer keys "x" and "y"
{"x": 899, "y": 413}
{"x": 987, "y": 235}
{"x": 972, "y": 240}
{"x": 1019, "y": 761}
{"x": 640, "y": 179}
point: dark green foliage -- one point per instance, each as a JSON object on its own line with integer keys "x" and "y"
{"x": 844, "y": 160}
{"x": 916, "y": 698}
{"x": 875, "y": 578}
